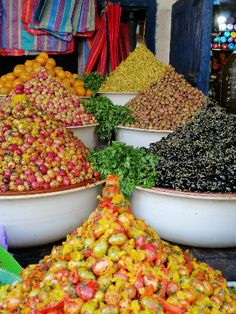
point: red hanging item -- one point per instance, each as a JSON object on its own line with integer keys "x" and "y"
{"x": 97, "y": 45}
{"x": 99, "y": 59}
{"x": 113, "y": 13}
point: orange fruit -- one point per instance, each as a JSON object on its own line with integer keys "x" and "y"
{"x": 48, "y": 66}
{"x": 51, "y": 72}
{"x": 4, "y": 90}
{"x": 43, "y": 55}
{"x": 89, "y": 92}
{"x": 40, "y": 60}
{"x": 57, "y": 79}
{"x": 1, "y": 83}
{"x": 10, "y": 76}
{"x": 80, "y": 90}
{"x": 79, "y": 83}
{"x": 66, "y": 82}
{"x": 37, "y": 67}
{"x": 16, "y": 82}
{"x": 75, "y": 76}
{"x": 68, "y": 74}
{"x": 24, "y": 76}
{"x": 18, "y": 69}
{"x": 72, "y": 90}
{"x": 58, "y": 68}
{"x": 4, "y": 78}
{"x": 9, "y": 84}
{"x": 61, "y": 74}
{"x": 29, "y": 69}
{"x": 51, "y": 61}
{"x": 29, "y": 63}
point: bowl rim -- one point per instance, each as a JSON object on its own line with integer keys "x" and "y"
{"x": 82, "y": 126}
{"x": 52, "y": 192}
{"x": 118, "y": 93}
{"x": 144, "y": 130}
{"x": 193, "y": 195}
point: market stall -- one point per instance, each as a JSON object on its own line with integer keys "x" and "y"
{"x": 100, "y": 169}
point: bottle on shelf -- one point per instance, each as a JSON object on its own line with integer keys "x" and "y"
{"x": 228, "y": 85}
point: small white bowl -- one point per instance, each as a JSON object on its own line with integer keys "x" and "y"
{"x": 87, "y": 134}
{"x": 140, "y": 137}
{"x": 194, "y": 219}
{"x": 120, "y": 99}
{"x": 37, "y": 219}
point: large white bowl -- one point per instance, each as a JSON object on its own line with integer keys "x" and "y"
{"x": 38, "y": 219}
{"x": 119, "y": 98}
{"x": 194, "y": 219}
{"x": 139, "y": 137}
{"x": 87, "y": 134}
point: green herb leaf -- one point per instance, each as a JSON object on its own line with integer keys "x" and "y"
{"x": 108, "y": 115}
{"x": 134, "y": 166}
{"x": 93, "y": 80}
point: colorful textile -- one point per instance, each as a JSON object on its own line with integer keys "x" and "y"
{"x": 29, "y": 8}
{"x": 100, "y": 57}
{"x": 15, "y": 37}
{"x": 55, "y": 17}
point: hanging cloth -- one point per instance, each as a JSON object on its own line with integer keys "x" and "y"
{"x": 55, "y": 16}
{"x": 15, "y": 37}
{"x": 97, "y": 46}
{"x": 29, "y": 8}
{"x": 104, "y": 50}
{"x": 113, "y": 14}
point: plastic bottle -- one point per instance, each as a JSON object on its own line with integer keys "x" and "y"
{"x": 228, "y": 85}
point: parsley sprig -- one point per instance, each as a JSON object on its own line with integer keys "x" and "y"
{"x": 134, "y": 166}
{"x": 108, "y": 115}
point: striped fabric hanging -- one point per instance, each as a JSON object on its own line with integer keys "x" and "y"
{"x": 15, "y": 37}
{"x": 55, "y": 16}
{"x": 29, "y": 8}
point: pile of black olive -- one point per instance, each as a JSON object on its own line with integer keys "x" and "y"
{"x": 200, "y": 156}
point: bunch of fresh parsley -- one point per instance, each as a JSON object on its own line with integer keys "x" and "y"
{"x": 134, "y": 166}
{"x": 108, "y": 115}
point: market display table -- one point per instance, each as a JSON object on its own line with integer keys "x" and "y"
{"x": 222, "y": 259}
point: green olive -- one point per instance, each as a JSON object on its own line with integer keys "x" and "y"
{"x": 117, "y": 239}
{"x": 89, "y": 307}
{"x": 85, "y": 274}
{"x": 113, "y": 253}
{"x": 100, "y": 248}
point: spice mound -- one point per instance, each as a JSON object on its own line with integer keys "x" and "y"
{"x": 115, "y": 263}
{"x": 166, "y": 104}
{"x": 135, "y": 73}
{"x": 37, "y": 152}
{"x": 200, "y": 155}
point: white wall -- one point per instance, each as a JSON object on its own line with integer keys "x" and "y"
{"x": 163, "y": 29}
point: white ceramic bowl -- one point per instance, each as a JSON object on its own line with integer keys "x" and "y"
{"x": 38, "y": 219}
{"x": 119, "y": 98}
{"x": 139, "y": 137}
{"x": 87, "y": 134}
{"x": 194, "y": 219}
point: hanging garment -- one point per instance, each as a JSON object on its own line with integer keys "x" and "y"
{"x": 97, "y": 46}
{"x": 14, "y": 36}
{"x": 55, "y": 16}
{"x": 104, "y": 50}
{"x": 29, "y": 8}
{"x": 113, "y": 15}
